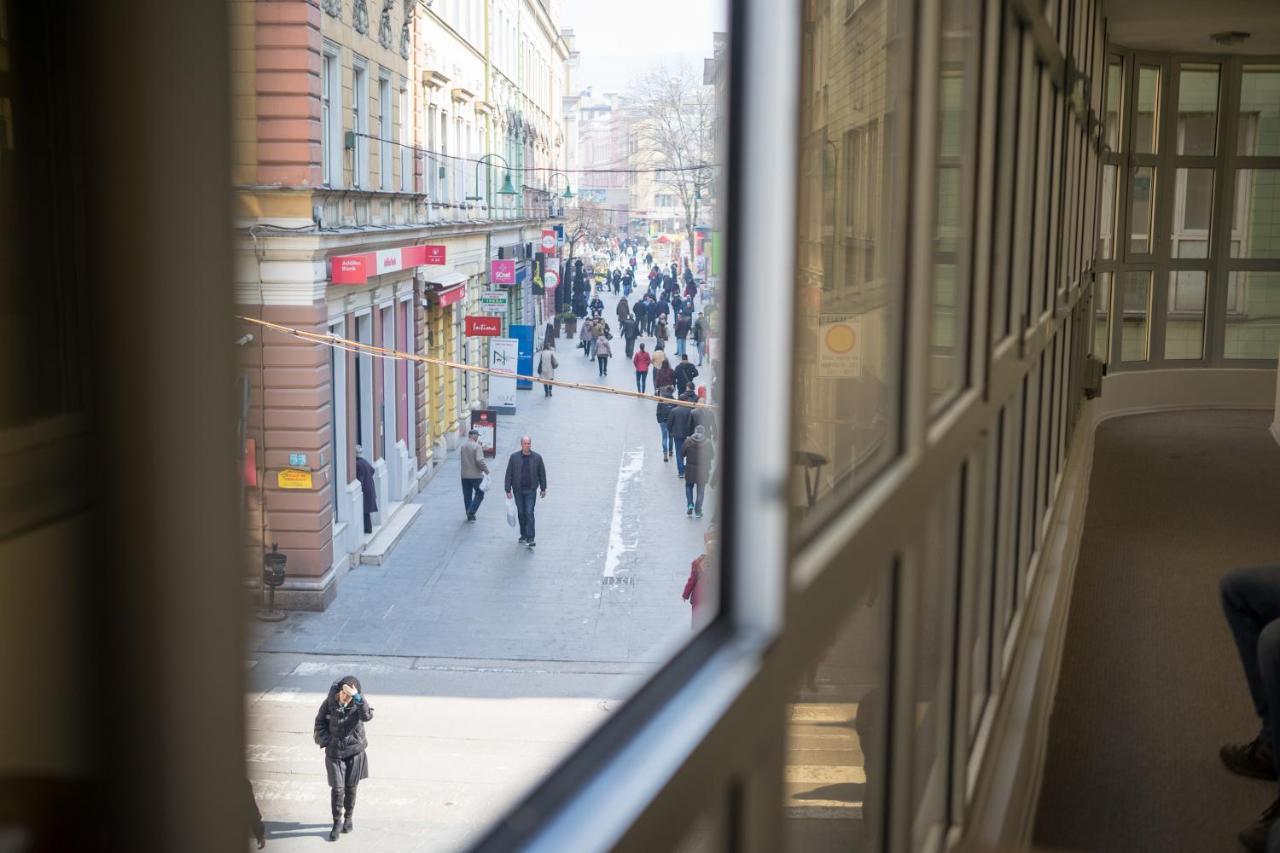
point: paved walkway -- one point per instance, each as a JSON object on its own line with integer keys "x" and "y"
{"x": 460, "y": 615}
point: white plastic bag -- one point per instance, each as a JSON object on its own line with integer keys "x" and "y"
{"x": 513, "y": 517}
{"x": 484, "y": 482}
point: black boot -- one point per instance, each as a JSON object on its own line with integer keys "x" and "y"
{"x": 335, "y": 807}
{"x": 350, "y": 803}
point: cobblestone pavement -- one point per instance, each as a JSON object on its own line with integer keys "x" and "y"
{"x": 485, "y": 660}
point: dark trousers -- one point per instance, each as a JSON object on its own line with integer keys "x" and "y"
{"x": 677, "y": 441}
{"x": 472, "y": 494}
{"x": 368, "y": 522}
{"x": 524, "y": 507}
{"x": 546, "y": 390}
{"x": 631, "y": 347}
{"x": 604, "y": 364}
{"x": 642, "y": 377}
{"x": 1251, "y": 602}
{"x": 689, "y": 489}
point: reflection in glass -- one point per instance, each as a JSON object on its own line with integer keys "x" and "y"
{"x": 1253, "y": 315}
{"x": 1101, "y": 315}
{"x": 1142, "y": 193}
{"x": 1192, "y": 212}
{"x": 1135, "y": 301}
{"x": 948, "y": 320}
{"x": 931, "y": 712}
{"x": 836, "y": 733}
{"x": 1255, "y": 217}
{"x": 1107, "y": 218}
{"x": 846, "y": 286}
{"x": 1115, "y": 89}
{"x": 1197, "y": 109}
{"x": 1259, "y": 127}
{"x": 1184, "y": 315}
{"x": 1146, "y": 123}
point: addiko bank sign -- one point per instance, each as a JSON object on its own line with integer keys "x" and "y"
{"x": 356, "y": 269}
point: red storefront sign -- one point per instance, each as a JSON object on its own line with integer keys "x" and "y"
{"x": 483, "y": 326}
{"x": 450, "y": 296}
{"x": 356, "y": 269}
{"x": 549, "y": 240}
{"x": 502, "y": 272}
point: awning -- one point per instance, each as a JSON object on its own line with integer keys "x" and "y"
{"x": 450, "y": 295}
{"x": 444, "y": 279}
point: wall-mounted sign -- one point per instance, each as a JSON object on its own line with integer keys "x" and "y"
{"x": 485, "y": 421}
{"x": 293, "y": 478}
{"x": 502, "y": 272}
{"x": 839, "y": 346}
{"x": 297, "y": 460}
{"x": 356, "y": 269}
{"x": 551, "y": 279}
{"x": 483, "y": 326}
{"x": 494, "y": 302}
{"x": 548, "y": 240}
{"x": 504, "y": 354}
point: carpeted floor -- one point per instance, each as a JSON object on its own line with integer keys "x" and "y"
{"x": 1150, "y": 684}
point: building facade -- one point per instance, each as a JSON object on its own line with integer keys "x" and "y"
{"x": 373, "y": 142}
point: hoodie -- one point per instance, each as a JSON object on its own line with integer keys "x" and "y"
{"x": 339, "y": 729}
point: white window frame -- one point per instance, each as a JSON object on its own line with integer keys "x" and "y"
{"x": 360, "y": 123}
{"x": 406, "y": 138}
{"x": 385, "y": 131}
{"x": 331, "y": 116}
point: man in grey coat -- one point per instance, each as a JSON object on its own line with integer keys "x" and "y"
{"x": 473, "y": 470}
{"x": 526, "y": 477}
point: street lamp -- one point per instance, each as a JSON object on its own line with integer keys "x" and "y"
{"x": 568, "y": 190}
{"x": 507, "y": 187}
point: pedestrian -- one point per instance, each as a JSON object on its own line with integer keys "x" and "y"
{"x": 664, "y": 416}
{"x": 624, "y": 310}
{"x": 663, "y": 373}
{"x": 339, "y": 730}
{"x": 547, "y": 365}
{"x": 700, "y": 336}
{"x": 256, "y": 829}
{"x": 660, "y": 334}
{"x": 677, "y": 306}
{"x": 549, "y": 337}
{"x": 473, "y": 470}
{"x": 697, "y": 454}
{"x": 629, "y": 331}
{"x": 697, "y": 589}
{"x": 683, "y": 326}
{"x": 364, "y": 473}
{"x": 588, "y": 336}
{"x": 685, "y": 374}
{"x": 664, "y": 307}
{"x": 704, "y": 416}
{"x": 641, "y": 360}
{"x": 526, "y": 476}
{"x": 680, "y": 425}
{"x": 597, "y": 305}
{"x": 603, "y": 352}
{"x": 641, "y": 313}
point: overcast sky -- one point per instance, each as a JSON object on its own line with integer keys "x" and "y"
{"x": 620, "y": 39}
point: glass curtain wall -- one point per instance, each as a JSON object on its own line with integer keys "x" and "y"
{"x": 1191, "y": 183}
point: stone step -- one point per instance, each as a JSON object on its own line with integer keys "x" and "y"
{"x": 384, "y": 540}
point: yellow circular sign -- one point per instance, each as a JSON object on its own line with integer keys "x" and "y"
{"x": 840, "y": 338}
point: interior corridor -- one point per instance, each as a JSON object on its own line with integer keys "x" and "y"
{"x": 1150, "y": 686}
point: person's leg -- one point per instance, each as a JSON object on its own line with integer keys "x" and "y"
{"x": 678, "y": 443}
{"x": 1251, "y": 601}
{"x": 524, "y": 520}
{"x": 688, "y": 497}
{"x": 477, "y": 499}
{"x": 701, "y": 491}
{"x": 335, "y": 808}
{"x": 530, "y": 499}
{"x": 468, "y": 491}
{"x": 349, "y": 805}
{"x": 368, "y": 522}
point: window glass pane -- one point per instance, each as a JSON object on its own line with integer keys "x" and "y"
{"x": 1253, "y": 315}
{"x": 1255, "y": 216}
{"x": 1146, "y": 127}
{"x": 1115, "y": 90}
{"x": 836, "y": 730}
{"x": 1192, "y": 212}
{"x": 982, "y": 582}
{"x": 847, "y": 325}
{"x": 1107, "y": 217}
{"x": 1259, "y": 131}
{"x": 1142, "y": 193}
{"x": 1101, "y": 315}
{"x": 931, "y": 711}
{"x": 1184, "y": 315}
{"x": 1135, "y": 301}
{"x": 1197, "y": 109}
{"x": 949, "y": 322}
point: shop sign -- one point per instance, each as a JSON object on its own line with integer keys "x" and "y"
{"x": 502, "y": 272}
{"x": 450, "y": 296}
{"x": 485, "y": 422}
{"x": 293, "y": 478}
{"x": 356, "y": 269}
{"x": 839, "y": 346}
{"x": 548, "y": 240}
{"x": 503, "y": 356}
{"x": 483, "y": 326}
{"x": 494, "y": 302}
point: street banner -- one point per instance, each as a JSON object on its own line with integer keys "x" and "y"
{"x": 503, "y": 356}
{"x": 548, "y": 240}
{"x": 502, "y": 272}
{"x": 538, "y": 266}
{"x": 524, "y": 350}
{"x": 551, "y": 279}
{"x": 483, "y": 325}
{"x": 494, "y": 302}
{"x": 485, "y": 421}
{"x": 839, "y": 346}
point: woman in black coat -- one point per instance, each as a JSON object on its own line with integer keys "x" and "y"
{"x": 339, "y": 730}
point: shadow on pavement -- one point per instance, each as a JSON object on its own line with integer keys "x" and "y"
{"x": 293, "y": 829}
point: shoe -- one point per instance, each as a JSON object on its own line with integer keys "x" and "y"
{"x": 532, "y": 543}
{"x": 664, "y": 457}
{"x": 471, "y": 516}
{"x": 1254, "y": 837}
{"x": 679, "y": 475}
{"x": 689, "y": 510}
{"x": 1252, "y": 759}
{"x": 697, "y": 513}
{"x": 522, "y": 540}
{"x": 337, "y": 828}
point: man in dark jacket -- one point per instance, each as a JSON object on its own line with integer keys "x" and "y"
{"x": 526, "y": 477}
{"x": 681, "y": 426}
{"x": 364, "y": 473}
{"x": 664, "y": 421}
{"x": 339, "y": 730}
{"x": 697, "y": 454}
{"x": 685, "y": 374}
{"x": 630, "y": 330}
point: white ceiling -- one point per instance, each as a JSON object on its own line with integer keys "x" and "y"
{"x": 1184, "y": 26}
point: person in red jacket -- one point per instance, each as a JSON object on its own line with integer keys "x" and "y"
{"x": 641, "y": 360}
{"x": 701, "y": 571}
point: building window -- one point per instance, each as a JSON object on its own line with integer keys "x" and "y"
{"x": 406, "y": 140}
{"x": 432, "y": 159}
{"x": 360, "y": 125}
{"x": 384, "y": 132}
{"x": 331, "y": 119}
